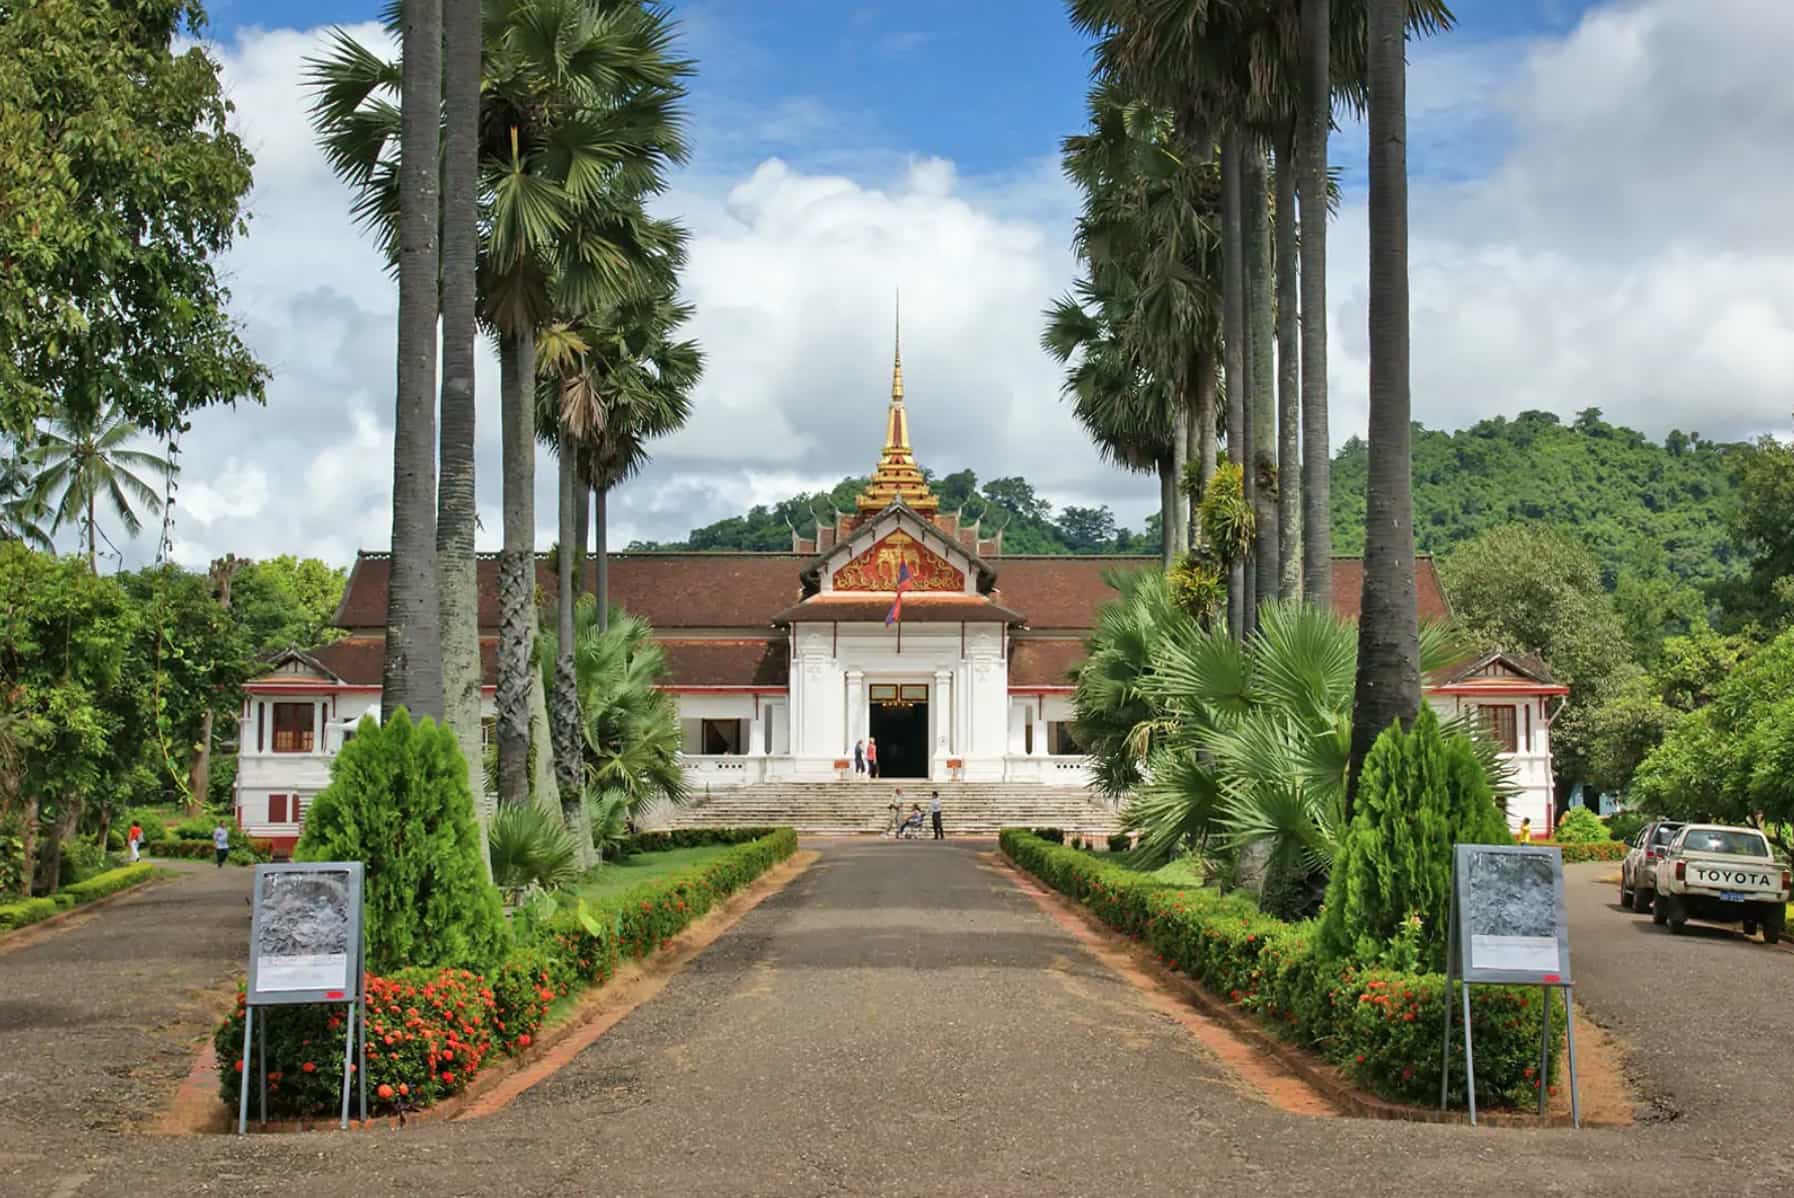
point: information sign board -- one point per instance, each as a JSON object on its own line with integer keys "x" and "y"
{"x": 1511, "y": 925}
{"x": 305, "y": 933}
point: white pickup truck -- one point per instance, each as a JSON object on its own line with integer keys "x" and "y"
{"x": 1722, "y": 875}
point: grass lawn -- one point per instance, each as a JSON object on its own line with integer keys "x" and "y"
{"x": 614, "y": 877}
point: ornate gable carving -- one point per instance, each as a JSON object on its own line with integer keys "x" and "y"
{"x": 876, "y": 569}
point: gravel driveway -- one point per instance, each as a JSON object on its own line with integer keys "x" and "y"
{"x": 903, "y": 1020}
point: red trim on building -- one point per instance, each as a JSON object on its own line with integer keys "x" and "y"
{"x": 1496, "y": 692}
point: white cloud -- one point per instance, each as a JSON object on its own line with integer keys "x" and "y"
{"x": 1597, "y": 227}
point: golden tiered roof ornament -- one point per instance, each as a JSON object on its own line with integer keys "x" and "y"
{"x": 897, "y": 476}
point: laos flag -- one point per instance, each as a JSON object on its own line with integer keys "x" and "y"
{"x": 903, "y": 580}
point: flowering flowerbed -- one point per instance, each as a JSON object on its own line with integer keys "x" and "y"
{"x": 430, "y": 1031}
{"x": 1381, "y": 1026}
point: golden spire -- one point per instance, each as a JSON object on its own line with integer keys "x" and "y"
{"x": 897, "y": 475}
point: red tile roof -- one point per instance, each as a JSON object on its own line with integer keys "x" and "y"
{"x": 671, "y": 590}
{"x": 1061, "y": 592}
{"x": 923, "y": 607}
{"x": 358, "y": 661}
{"x": 1043, "y": 663}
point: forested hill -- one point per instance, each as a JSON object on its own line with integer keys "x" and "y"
{"x": 1627, "y": 498}
{"x": 1637, "y": 504}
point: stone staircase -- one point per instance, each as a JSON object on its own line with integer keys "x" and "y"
{"x": 844, "y": 808}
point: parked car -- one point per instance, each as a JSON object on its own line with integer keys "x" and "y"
{"x": 1725, "y": 875}
{"x": 1638, "y": 871}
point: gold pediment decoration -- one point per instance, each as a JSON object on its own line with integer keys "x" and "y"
{"x": 877, "y": 568}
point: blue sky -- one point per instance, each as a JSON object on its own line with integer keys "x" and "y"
{"x": 1567, "y": 250}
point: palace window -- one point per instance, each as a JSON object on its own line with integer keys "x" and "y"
{"x": 294, "y": 727}
{"x": 1060, "y": 741}
{"x": 277, "y": 809}
{"x": 1499, "y": 719}
{"x": 721, "y": 738}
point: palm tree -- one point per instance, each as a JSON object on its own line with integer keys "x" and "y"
{"x": 612, "y": 382}
{"x": 631, "y": 725}
{"x": 1315, "y": 21}
{"x": 1388, "y": 683}
{"x": 456, "y": 514}
{"x": 579, "y": 114}
{"x": 1289, "y": 397}
{"x": 412, "y": 677}
{"x": 23, "y": 512}
{"x": 80, "y": 458}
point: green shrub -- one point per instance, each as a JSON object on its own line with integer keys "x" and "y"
{"x": 197, "y": 827}
{"x": 81, "y": 859}
{"x": 1381, "y": 1026}
{"x": 1056, "y": 835}
{"x": 523, "y": 989}
{"x": 1120, "y": 842}
{"x": 1579, "y": 825}
{"x": 12, "y": 856}
{"x": 1624, "y": 825}
{"x": 1421, "y": 792}
{"x": 644, "y": 917}
{"x": 24, "y": 911}
{"x": 399, "y": 803}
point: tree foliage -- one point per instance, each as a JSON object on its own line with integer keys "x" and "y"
{"x": 1422, "y": 791}
{"x": 1762, "y": 523}
{"x": 120, "y": 185}
{"x": 287, "y": 602}
{"x": 398, "y": 801}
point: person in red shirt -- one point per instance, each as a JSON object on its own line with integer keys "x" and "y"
{"x": 871, "y": 757}
{"x": 134, "y": 838}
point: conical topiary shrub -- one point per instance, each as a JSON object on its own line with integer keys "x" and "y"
{"x": 1422, "y": 791}
{"x": 398, "y": 802}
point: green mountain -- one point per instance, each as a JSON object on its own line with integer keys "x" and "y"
{"x": 1635, "y": 503}
{"x": 1640, "y": 506}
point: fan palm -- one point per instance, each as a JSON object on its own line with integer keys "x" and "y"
{"x": 78, "y": 460}
{"x": 530, "y": 846}
{"x": 579, "y": 119}
{"x": 631, "y": 726}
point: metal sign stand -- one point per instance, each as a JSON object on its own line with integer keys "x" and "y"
{"x": 1454, "y": 970}
{"x": 353, "y": 997}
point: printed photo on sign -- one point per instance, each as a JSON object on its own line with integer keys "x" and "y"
{"x": 302, "y": 939}
{"x": 1510, "y": 910}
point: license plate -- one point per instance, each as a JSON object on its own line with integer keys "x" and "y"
{"x": 1733, "y": 896}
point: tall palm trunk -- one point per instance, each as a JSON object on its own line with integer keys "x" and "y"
{"x": 516, "y": 564}
{"x": 1204, "y": 431}
{"x": 1233, "y": 347}
{"x": 1388, "y": 684}
{"x": 412, "y": 678}
{"x": 564, "y": 710}
{"x": 1289, "y": 397}
{"x": 1167, "y": 511}
{"x": 1317, "y": 467}
{"x": 93, "y": 557}
{"x": 456, "y": 514}
{"x": 1262, "y": 433}
{"x": 1177, "y": 516}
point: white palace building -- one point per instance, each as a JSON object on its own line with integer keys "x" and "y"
{"x": 781, "y": 662}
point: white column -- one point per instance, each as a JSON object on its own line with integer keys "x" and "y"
{"x": 856, "y": 710}
{"x": 1040, "y": 727}
{"x": 940, "y": 719}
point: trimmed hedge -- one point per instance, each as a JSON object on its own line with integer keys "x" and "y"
{"x": 26, "y": 911}
{"x": 243, "y": 850}
{"x": 1380, "y": 1026}
{"x": 31, "y": 910}
{"x": 685, "y": 838}
{"x": 430, "y": 1031}
{"x": 1597, "y": 850}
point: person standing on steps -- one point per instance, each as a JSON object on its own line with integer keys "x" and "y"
{"x": 934, "y": 809}
{"x": 221, "y": 842}
{"x": 859, "y": 758}
{"x": 871, "y": 757}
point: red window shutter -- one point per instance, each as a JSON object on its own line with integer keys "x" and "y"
{"x": 277, "y": 809}
{"x": 261, "y": 712}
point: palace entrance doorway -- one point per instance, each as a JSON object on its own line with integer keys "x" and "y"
{"x": 899, "y": 723}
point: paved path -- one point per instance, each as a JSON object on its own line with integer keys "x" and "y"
{"x": 901, "y": 1020}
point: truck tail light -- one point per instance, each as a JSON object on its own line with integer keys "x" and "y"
{"x": 1681, "y": 871}
{"x": 1787, "y": 879}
